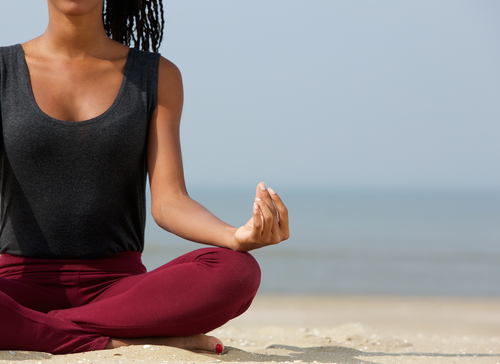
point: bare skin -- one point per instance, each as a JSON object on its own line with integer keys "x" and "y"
{"x": 68, "y": 64}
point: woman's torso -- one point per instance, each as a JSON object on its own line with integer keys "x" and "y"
{"x": 74, "y": 189}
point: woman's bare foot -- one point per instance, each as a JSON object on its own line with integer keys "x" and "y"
{"x": 198, "y": 343}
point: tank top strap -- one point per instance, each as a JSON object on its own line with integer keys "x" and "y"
{"x": 141, "y": 75}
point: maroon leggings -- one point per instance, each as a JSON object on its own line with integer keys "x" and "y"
{"x": 69, "y": 306}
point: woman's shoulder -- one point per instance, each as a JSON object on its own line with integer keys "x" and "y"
{"x": 8, "y": 50}
{"x": 164, "y": 65}
{"x": 9, "y": 58}
{"x": 165, "y": 73}
{"x": 169, "y": 79}
{"x": 167, "y": 68}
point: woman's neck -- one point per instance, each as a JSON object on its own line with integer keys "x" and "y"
{"x": 75, "y": 35}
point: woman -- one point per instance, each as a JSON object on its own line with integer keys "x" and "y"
{"x": 84, "y": 120}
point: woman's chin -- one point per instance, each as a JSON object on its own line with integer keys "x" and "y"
{"x": 76, "y": 7}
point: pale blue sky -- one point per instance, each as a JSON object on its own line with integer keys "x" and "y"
{"x": 329, "y": 93}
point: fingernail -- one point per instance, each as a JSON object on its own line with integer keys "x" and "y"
{"x": 262, "y": 186}
{"x": 255, "y": 206}
{"x": 218, "y": 348}
{"x": 258, "y": 199}
{"x": 271, "y": 191}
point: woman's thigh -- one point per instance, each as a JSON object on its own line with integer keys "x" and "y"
{"x": 193, "y": 294}
{"x": 53, "y": 284}
{"x": 34, "y": 297}
{"x": 38, "y": 289}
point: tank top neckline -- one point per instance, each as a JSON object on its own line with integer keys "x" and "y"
{"x": 23, "y": 67}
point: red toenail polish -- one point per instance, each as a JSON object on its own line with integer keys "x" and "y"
{"x": 218, "y": 348}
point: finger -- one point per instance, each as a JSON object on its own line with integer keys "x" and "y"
{"x": 261, "y": 187}
{"x": 264, "y": 195}
{"x": 276, "y": 234}
{"x": 282, "y": 212}
{"x": 256, "y": 222}
{"x": 276, "y": 225}
{"x": 267, "y": 217}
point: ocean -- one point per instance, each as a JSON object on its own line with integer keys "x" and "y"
{"x": 375, "y": 242}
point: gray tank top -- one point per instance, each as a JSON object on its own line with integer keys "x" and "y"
{"x": 74, "y": 189}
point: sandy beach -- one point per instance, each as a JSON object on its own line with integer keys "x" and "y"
{"x": 331, "y": 329}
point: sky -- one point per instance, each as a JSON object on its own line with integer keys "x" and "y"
{"x": 323, "y": 93}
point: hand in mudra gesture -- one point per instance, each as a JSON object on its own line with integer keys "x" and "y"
{"x": 269, "y": 223}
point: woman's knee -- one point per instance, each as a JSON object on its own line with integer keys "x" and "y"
{"x": 248, "y": 270}
{"x": 239, "y": 271}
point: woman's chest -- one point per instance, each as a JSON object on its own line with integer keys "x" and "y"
{"x": 75, "y": 91}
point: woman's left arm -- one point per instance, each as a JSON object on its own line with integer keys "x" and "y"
{"x": 171, "y": 206}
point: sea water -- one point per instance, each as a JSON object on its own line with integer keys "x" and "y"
{"x": 347, "y": 241}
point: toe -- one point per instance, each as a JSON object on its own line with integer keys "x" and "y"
{"x": 209, "y": 344}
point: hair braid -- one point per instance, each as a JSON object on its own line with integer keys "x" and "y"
{"x": 137, "y": 21}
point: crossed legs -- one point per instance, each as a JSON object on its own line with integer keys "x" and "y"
{"x": 102, "y": 308}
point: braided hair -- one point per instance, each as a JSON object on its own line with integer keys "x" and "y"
{"x": 140, "y": 21}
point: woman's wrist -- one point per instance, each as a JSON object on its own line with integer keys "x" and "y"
{"x": 230, "y": 241}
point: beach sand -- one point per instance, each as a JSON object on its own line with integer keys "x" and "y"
{"x": 331, "y": 329}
